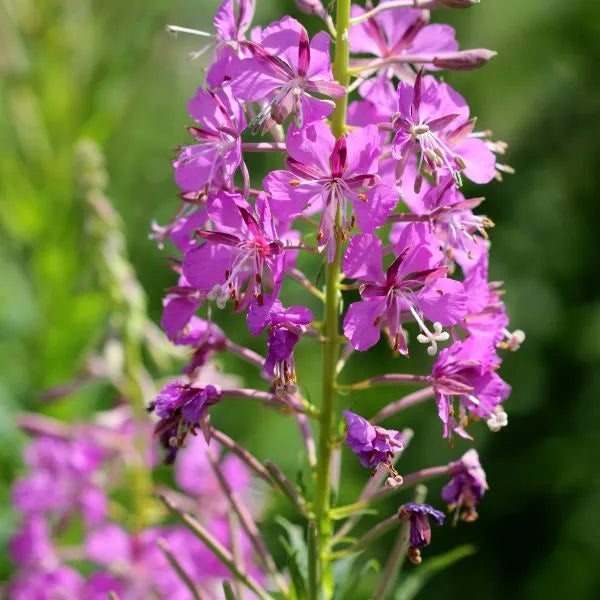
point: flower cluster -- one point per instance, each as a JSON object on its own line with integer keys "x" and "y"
{"x": 379, "y": 160}
{"x": 73, "y": 481}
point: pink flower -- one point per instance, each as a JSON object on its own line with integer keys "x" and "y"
{"x": 415, "y": 286}
{"x": 237, "y": 253}
{"x": 218, "y": 153}
{"x": 326, "y": 173}
{"x": 467, "y": 371}
{"x": 400, "y": 31}
{"x": 433, "y": 123}
{"x": 286, "y": 327}
{"x": 286, "y": 67}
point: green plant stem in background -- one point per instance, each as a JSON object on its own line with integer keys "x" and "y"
{"x": 129, "y": 319}
{"x": 330, "y": 329}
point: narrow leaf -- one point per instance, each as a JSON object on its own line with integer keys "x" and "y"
{"x": 414, "y": 582}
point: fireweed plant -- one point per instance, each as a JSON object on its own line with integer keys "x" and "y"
{"x": 371, "y": 190}
{"x": 399, "y": 156}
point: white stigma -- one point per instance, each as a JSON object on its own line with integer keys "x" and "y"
{"x": 514, "y": 339}
{"x": 430, "y": 337}
{"x": 498, "y": 420}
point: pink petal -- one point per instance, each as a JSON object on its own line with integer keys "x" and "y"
{"x": 252, "y": 82}
{"x": 311, "y": 145}
{"x": 373, "y": 213}
{"x": 359, "y": 323}
{"x": 282, "y": 39}
{"x": 204, "y": 266}
{"x": 320, "y": 63}
{"x": 480, "y": 160}
{"x": 363, "y": 258}
{"x": 444, "y": 301}
{"x": 363, "y": 146}
{"x": 287, "y": 200}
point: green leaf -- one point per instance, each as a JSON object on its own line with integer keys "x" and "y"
{"x": 297, "y": 553}
{"x": 413, "y": 583}
{"x": 347, "y": 576}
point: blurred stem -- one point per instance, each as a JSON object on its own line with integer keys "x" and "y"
{"x": 330, "y": 329}
{"x": 129, "y": 312}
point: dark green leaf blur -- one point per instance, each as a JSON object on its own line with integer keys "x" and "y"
{"x": 75, "y": 69}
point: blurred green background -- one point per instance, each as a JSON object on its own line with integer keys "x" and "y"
{"x": 108, "y": 70}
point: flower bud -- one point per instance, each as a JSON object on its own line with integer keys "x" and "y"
{"x": 464, "y": 60}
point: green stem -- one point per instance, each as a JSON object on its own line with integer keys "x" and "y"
{"x": 330, "y": 329}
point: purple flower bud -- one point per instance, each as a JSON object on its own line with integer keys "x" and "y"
{"x": 373, "y": 445}
{"x": 465, "y": 60}
{"x": 467, "y": 486}
{"x": 420, "y": 530}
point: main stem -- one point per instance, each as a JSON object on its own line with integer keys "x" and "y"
{"x": 330, "y": 329}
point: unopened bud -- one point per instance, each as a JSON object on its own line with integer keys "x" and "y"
{"x": 310, "y": 7}
{"x": 464, "y": 60}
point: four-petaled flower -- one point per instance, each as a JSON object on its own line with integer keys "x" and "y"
{"x": 398, "y": 32}
{"x": 218, "y": 152}
{"x": 327, "y": 174}
{"x": 414, "y": 286}
{"x": 239, "y": 252}
{"x": 433, "y": 122}
{"x": 284, "y": 68}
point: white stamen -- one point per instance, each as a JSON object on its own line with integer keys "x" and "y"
{"x": 175, "y": 29}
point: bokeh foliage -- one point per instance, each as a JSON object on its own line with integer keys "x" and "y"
{"x": 107, "y": 70}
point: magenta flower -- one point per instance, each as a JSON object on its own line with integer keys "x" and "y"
{"x": 285, "y": 68}
{"x": 327, "y": 173}
{"x": 61, "y": 480}
{"x": 372, "y": 444}
{"x": 467, "y": 486}
{"x": 181, "y": 230}
{"x": 486, "y": 313}
{"x": 231, "y": 29}
{"x": 237, "y": 253}
{"x": 462, "y": 234}
{"x": 195, "y": 476}
{"x": 286, "y": 327}
{"x": 420, "y": 530}
{"x": 433, "y": 123}
{"x": 467, "y": 371}
{"x": 181, "y": 407}
{"x": 414, "y": 286}
{"x": 31, "y": 545}
{"x": 58, "y": 582}
{"x": 397, "y": 32}
{"x": 218, "y": 152}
